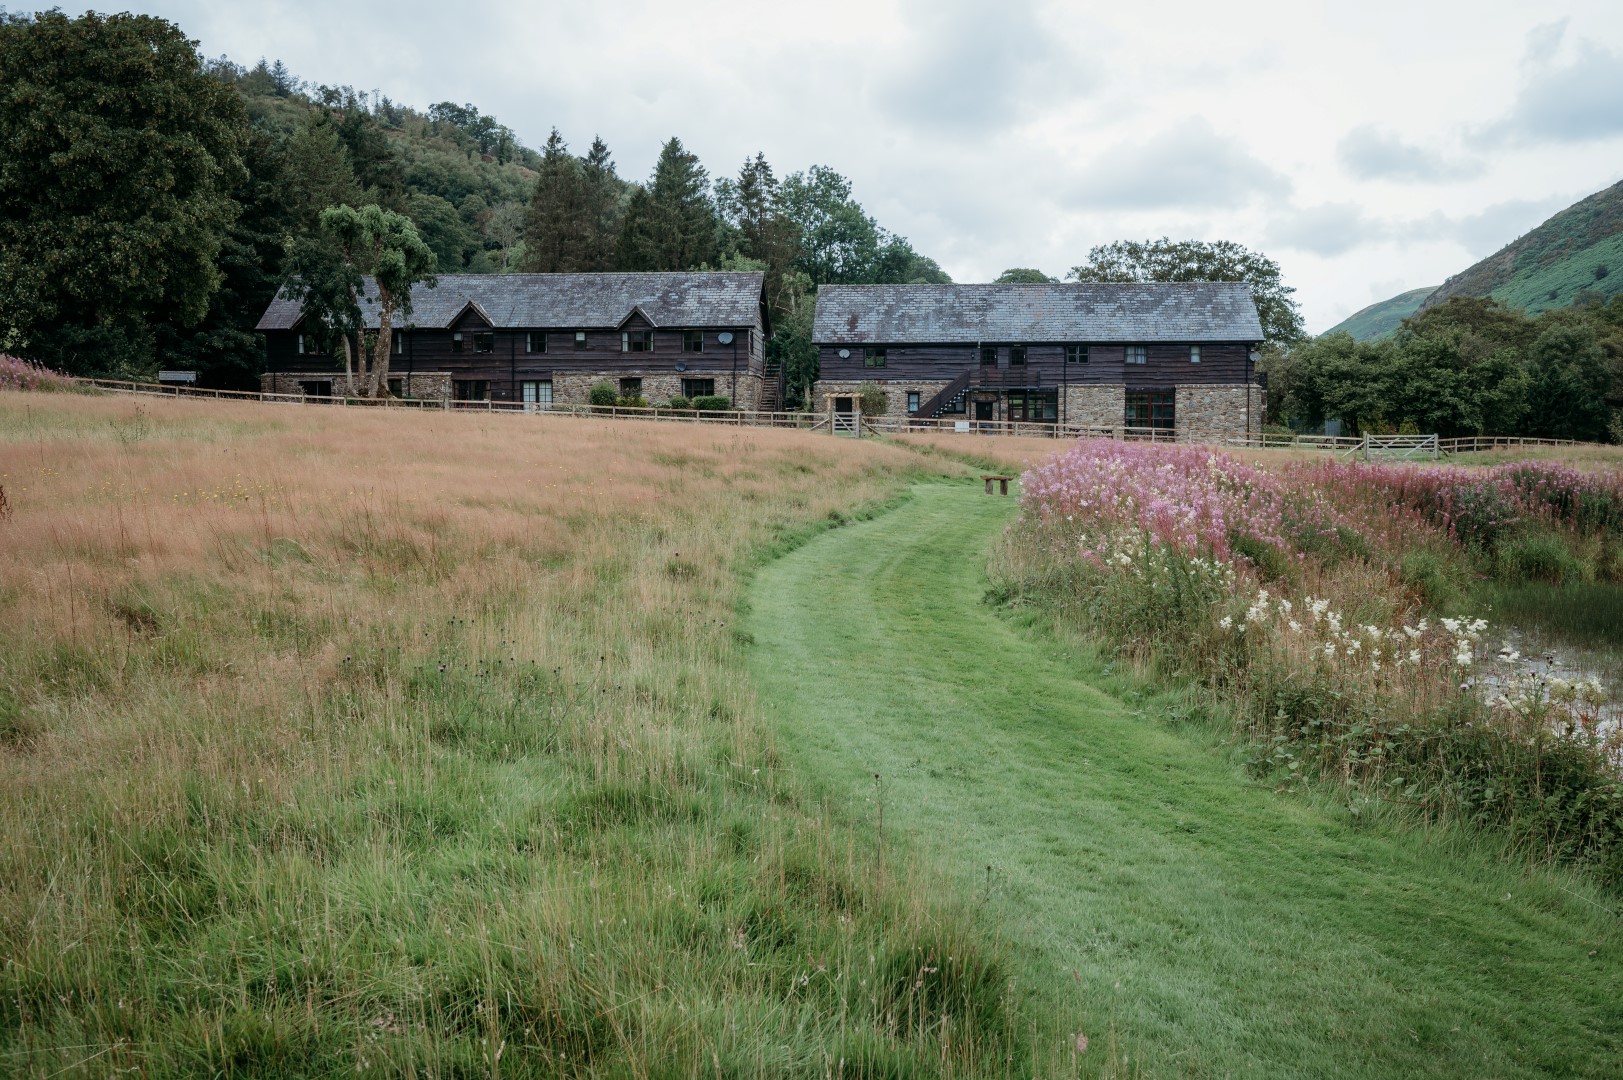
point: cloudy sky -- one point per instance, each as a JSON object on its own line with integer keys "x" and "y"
{"x": 1370, "y": 148}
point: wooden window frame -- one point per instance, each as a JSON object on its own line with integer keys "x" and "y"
{"x": 1142, "y": 352}
{"x": 988, "y": 356}
{"x": 914, "y": 400}
{"x": 1159, "y": 409}
{"x": 644, "y": 337}
{"x": 532, "y": 338}
{"x": 1017, "y": 356}
{"x": 875, "y": 358}
{"x": 631, "y": 386}
{"x": 690, "y": 388}
{"x": 463, "y": 389}
{"x": 1194, "y": 354}
{"x": 693, "y": 341}
{"x": 1076, "y": 354}
{"x": 456, "y": 341}
{"x": 484, "y": 341}
{"x": 580, "y": 339}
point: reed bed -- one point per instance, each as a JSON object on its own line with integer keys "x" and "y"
{"x": 342, "y": 741}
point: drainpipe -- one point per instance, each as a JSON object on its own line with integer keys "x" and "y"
{"x": 735, "y": 371}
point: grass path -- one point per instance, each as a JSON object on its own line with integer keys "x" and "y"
{"x": 1212, "y": 927}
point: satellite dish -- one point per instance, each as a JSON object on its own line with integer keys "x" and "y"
{"x": 681, "y": 365}
{"x": 725, "y": 337}
{"x": 845, "y": 354}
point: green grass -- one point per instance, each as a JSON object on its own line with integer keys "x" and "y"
{"x": 1195, "y": 923}
{"x": 1379, "y": 320}
{"x": 1537, "y": 288}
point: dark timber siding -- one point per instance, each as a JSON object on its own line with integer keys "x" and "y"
{"x": 509, "y": 364}
{"x": 1167, "y": 365}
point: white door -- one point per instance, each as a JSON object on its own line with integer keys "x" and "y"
{"x": 537, "y": 395}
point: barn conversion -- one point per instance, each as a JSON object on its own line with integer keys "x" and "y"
{"x": 1175, "y": 356}
{"x": 547, "y": 338}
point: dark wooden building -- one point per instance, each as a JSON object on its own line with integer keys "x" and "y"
{"x": 542, "y": 339}
{"x": 1177, "y": 355}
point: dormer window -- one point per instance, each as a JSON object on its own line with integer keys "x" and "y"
{"x": 637, "y": 341}
{"x": 484, "y": 343}
{"x": 456, "y": 342}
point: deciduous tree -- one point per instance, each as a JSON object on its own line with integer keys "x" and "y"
{"x": 1197, "y": 260}
{"x": 357, "y": 249}
{"x": 118, "y": 162}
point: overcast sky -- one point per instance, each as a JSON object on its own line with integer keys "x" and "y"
{"x": 1369, "y": 147}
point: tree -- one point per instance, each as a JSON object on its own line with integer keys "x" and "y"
{"x": 1570, "y": 383}
{"x": 603, "y": 194}
{"x": 1023, "y": 276}
{"x": 671, "y": 223}
{"x": 557, "y": 232}
{"x": 331, "y": 273}
{"x": 1196, "y": 260}
{"x": 120, "y": 157}
{"x": 316, "y": 171}
{"x": 503, "y": 226}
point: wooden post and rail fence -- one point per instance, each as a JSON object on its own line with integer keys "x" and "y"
{"x": 1361, "y": 448}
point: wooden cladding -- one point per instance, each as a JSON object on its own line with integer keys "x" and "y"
{"x": 1045, "y": 365}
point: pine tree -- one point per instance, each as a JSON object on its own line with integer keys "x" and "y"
{"x": 557, "y": 232}
{"x": 604, "y": 192}
{"x": 671, "y": 223}
{"x": 317, "y": 171}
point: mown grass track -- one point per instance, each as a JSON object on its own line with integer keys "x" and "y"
{"x": 1186, "y": 918}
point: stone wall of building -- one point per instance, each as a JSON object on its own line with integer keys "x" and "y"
{"x": 575, "y": 387}
{"x": 1097, "y": 405}
{"x": 1219, "y": 408}
{"x": 424, "y": 385}
{"x": 896, "y": 392}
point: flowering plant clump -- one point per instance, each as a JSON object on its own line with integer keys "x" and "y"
{"x": 1477, "y": 506}
{"x": 1191, "y": 500}
{"x": 1287, "y": 593}
{"x": 18, "y": 374}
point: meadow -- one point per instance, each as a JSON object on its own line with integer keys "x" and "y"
{"x": 364, "y": 742}
{"x": 341, "y": 741}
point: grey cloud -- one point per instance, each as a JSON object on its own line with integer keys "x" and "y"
{"x": 975, "y": 67}
{"x": 1328, "y": 229}
{"x": 1189, "y": 166}
{"x": 1575, "y": 102}
{"x": 1493, "y": 227}
{"x": 1544, "y": 40}
{"x": 1371, "y": 154}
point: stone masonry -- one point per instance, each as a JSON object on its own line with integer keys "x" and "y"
{"x": 423, "y": 385}
{"x": 896, "y": 392}
{"x": 575, "y": 387}
{"x": 1096, "y": 405}
{"x": 1218, "y": 408}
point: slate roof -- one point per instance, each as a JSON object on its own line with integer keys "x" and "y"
{"x": 570, "y": 301}
{"x": 959, "y": 314}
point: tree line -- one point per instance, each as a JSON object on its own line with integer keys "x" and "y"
{"x": 154, "y": 224}
{"x": 1469, "y": 366}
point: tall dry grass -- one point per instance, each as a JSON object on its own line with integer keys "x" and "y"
{"x": 380, "y": 743}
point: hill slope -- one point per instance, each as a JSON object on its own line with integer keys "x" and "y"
{"x": 1578, "y": 251}
{"x": 1379, "y": 320}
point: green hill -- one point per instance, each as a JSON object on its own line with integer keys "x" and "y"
{"x": 1575, "y": 255}
{"x": 1379, "y": 320}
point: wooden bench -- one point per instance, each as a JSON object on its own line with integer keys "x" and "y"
{"x": 1002, "y": 483}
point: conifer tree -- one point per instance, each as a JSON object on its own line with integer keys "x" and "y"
{"x": 671, "y": 223}
{"x": 557, "y": 236}
{"x": 603, "y": 193}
